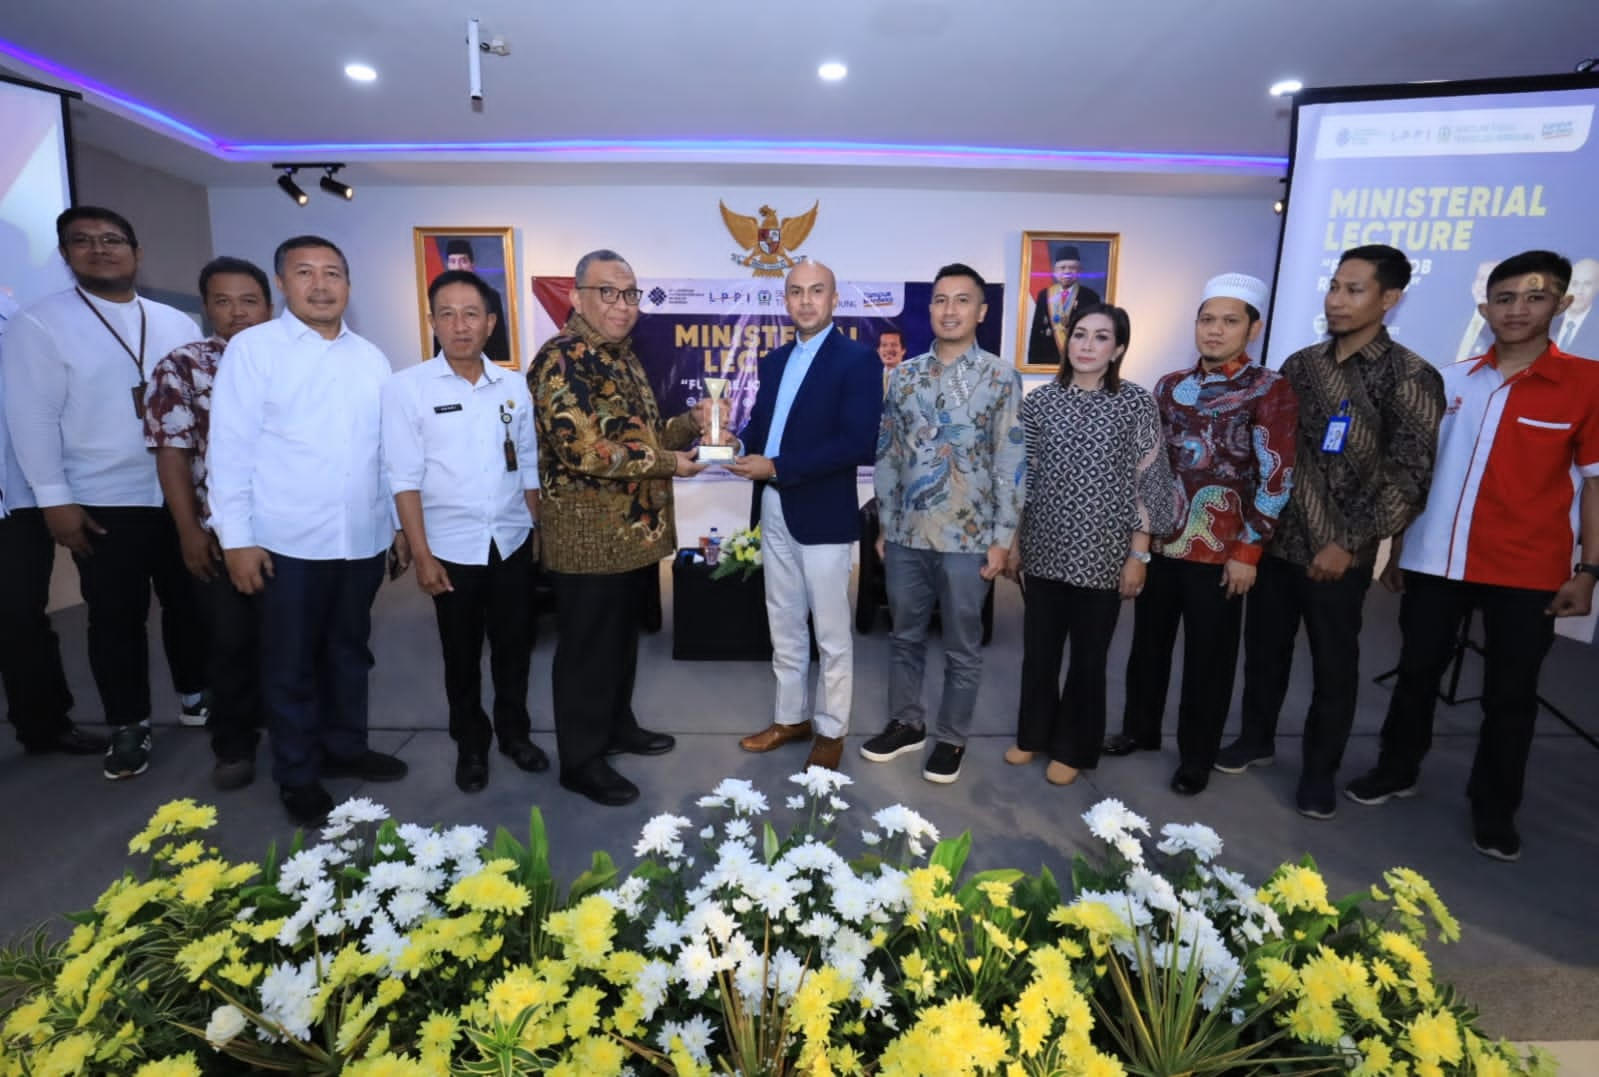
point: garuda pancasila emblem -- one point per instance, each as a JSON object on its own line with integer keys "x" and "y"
{"x": 768, "y": 244}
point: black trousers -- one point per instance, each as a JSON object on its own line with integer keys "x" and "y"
{"x": 1189, "y": 594}
{"x": 139, "y": 550}
{"x": 37, "y": 698}
{"x": 1282, "y": 598}
{"x": 316, "y": 621}
{"x": 1068, "y": 725}
{"x": 596, "y": 660}
{"x": 1517, "y": 635}
{"x": 492, "y": 600}
{"x": 234, "y": 669}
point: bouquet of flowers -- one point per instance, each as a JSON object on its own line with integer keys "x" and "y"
{"x": 396, "y": 950}
{"x": 741, "y": 554}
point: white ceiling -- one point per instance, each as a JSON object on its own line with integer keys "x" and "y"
{"x": 1135, "y": 76}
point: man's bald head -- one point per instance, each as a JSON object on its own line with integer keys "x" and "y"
{"x": 1584, "y": 286}
{"x": 810, "y": 294}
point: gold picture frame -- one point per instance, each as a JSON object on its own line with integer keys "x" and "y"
{"x": 1037, "y": 347}
{"x": 492, "y": 254}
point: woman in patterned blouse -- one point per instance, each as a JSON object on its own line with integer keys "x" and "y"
{"x": 1098, "y": 486}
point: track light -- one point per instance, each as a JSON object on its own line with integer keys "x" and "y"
{"x": 292, "y": 189}
{"x": 336, "y": 187}
{"x": 329, "y": 181}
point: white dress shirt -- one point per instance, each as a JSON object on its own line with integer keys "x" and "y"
{"x": 69, "y": 396}
{"x": 293, "y": 459}
{"x": 14, "y": 491}
{"x": 445, "y": 437}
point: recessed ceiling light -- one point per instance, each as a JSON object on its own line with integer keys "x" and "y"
{"x": 832, "y": 71}
{"x": 1286, "y": 88}
{"x": 360, "y": 72}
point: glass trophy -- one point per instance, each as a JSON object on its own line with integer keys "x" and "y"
{"x": 711, "y": 449}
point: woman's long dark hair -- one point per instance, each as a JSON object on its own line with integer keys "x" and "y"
{"x": 1121, "y": 328}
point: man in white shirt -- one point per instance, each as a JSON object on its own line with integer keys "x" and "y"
{"x": 38, "y": 700}
{"x": 303, "y": 515}
{"x": 77, "y": 374}
{"x": 1576, "y": 332}
{"x": 461, "y": 454}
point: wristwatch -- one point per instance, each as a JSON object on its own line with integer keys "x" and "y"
{"x": 1143, "y": 557}
{"x": 1581, "y": 567}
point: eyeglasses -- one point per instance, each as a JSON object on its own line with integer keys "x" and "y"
{"x": 109, "y": 241}
{"x": 609, "y": 295}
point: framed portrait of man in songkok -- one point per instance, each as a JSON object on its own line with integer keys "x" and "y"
{"x": 1060, "y": 272}
{"x": 491, "y": 254}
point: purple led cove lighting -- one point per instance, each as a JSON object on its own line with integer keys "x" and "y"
{"x": 83, "y": 82}
{"x": 974, "y": 155}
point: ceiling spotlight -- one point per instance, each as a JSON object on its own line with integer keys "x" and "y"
{"x": 1286, "y": 88}
{"x": 292, "y": 189}
{"x": 1278, "y": 206}
{"x": 360, "y": 72}
{"x": 832, "y": 71}
{"x": 336, "y": 187}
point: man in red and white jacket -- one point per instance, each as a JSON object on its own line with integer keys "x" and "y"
{"x": 1496, "y": 536}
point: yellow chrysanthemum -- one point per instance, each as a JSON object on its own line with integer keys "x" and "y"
{"x": 490, "y": 890}
{"x": 28, "y": 1020}
{"x": 387, "y": 1065}
{"x": 175, "y": 817}
{"x": 183, "y": 1065}
{"x": 587, "y": 929}
{"x": 997, "y": 892}
{"x": 66, "y": 1057}
{"x": 1434, "y": 1037}
{"x": 1298, "y": 888}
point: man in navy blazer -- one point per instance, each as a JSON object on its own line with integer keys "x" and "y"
{"x": 814, "y": 422}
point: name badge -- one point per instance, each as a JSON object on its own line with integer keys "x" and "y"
{"x": 444, "y": 408}
{"x": 1332, "y": 440}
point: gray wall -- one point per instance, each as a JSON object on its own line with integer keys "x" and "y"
{"x": 172, "y": 216}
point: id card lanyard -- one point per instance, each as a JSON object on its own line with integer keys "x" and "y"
{"x": 1332, "y": 440}
{"x": 138, "y": 359}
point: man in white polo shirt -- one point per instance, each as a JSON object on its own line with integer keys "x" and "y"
{"x": 299, "y": 505}
{"x": 1496, "y": 537}
{"x": 461, "y": 453}
{"x": 77, "y": 372}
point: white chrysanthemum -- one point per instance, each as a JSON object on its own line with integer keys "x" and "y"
{"x": 898, "y": 819}
{"x": 695, "y": 967}
{"x": 695, "y": 1034}
{"x": 872, "y": 993}
{"x": 300, "y": 871}
{"x": 359, "y": 907}
{"x": 711, "y": 921}
{"x": 870, "y": 837}
{"x": 1111, "y": 819}
{"x": 382, "y": 939}
{"x": 660, "y": 837}
{"x": 813, "y": 855}
{"x": 329, "y": 924}
{"x": 288, "y": 996}
{"x": 357, "y": 810}
{"x": 819, "y": 926}
{"x": 628, "y": 899}
{"x": 786, "y": 971}
{"x": 708, "y": 832}
{"x": 246, "y": 913}
{"x": 838, "y": 803}
{"x": 737, "y": 829}
{"x": 740, "y": 795}
{"x": 665, "y": 934}
{"x": 464, "y": 843}
{"x": 749, "y": 978}
{"x": 1194, "y": 838}
{"x": 410, "y": 907}
{"x": 796, "y": 803}
{"x": 225, "y": 1025}
{"x": 820, "y": 781}
{"x": 1153, "y": 890}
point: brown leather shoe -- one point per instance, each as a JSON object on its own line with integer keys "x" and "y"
{"x": 775, "y": 736}
{"x": 825, "y": 752}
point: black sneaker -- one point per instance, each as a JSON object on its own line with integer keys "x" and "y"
{"x": 1377, "y": 786}
{"x": 195, "y": 714}
{"x": 1239, "y": 756}
{"x": 369, "y": 766}
{"x": 944, "y": 765}
{"x": 129, "y": 751}
{"x": 1317, "y": 798}
{"x": 1498, "y": 841}
{"x": 895, "y": 741}
{"x": 307, "y": 805}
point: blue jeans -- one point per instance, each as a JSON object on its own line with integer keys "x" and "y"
{"x": 316, "y": 617}
{"x": 917, "y": 580}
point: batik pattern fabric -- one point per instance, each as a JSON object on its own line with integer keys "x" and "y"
{"x": 1377, "y": 484}
{"x": 605, "y": 459}
{"x": 1231, "y": 440}
{"x": 1096, "y": 474}
{"x": 951, "y": 459}
{"x": 177, "y": 413}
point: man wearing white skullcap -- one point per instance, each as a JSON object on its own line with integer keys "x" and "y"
{"x": 1230, "y": 427}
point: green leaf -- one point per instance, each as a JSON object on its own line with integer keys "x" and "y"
{"x": 951, "y": 853}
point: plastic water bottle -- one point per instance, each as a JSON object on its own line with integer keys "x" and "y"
{"x": 713, "y": 553}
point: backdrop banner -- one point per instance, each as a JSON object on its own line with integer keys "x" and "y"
{"x": 691, "y": 329}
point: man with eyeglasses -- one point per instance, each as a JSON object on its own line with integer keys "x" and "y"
{"x": 77, "y": 374}
{"x": 462, "y": 462}
{"x": 606, "y": 464}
